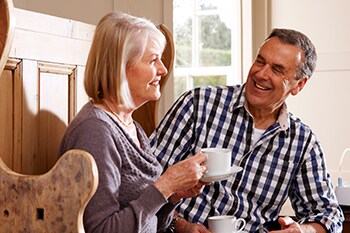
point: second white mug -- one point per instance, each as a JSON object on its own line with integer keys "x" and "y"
{"x": 226, "y": 224}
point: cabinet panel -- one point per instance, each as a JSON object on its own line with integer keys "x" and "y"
{"x": 6, "y": 119}
{"x": 28, "y": 124}
{"x": 37, "y": 101}
{"x": 82, "y": 97}
{"x": 53, "y": 116}
{"x": 41, "y": 89}
{"x": 10, "y": 109}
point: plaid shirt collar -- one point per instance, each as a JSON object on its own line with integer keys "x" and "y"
{"x": 283, "y": 119}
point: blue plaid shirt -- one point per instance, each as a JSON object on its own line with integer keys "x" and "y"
{"x": 287, "y": 161}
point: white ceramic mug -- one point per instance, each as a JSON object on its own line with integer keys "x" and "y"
{"x": 226, "y": 224}
{"x": 218, "y": 162}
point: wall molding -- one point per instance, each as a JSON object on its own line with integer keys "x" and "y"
{"x": 12, "y": 63}
{"x": 54, "y": 68}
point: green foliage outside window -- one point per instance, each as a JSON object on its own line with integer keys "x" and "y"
{"x": 198, "y": 81}
{"x": 209, "y": 57}
{"x": 209, "y": 46}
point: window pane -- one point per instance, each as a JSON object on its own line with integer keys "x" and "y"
{"x": 209, "y": 81}
{"x": 183, "y": 13}
{"x": 206, "y": 43}
{"x": 207, "y": 4}
{"x": 215, "y": 42}
{"x": 180, "y": 86}
{"x": 183, "y": 41}
{"x": 197, "y": 81}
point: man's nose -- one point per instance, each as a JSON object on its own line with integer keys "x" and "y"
{"x": 264, "y": 71}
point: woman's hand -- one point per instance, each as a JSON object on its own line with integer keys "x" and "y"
{"x": 183, "y": 177}
{"x": 197, "y": 189}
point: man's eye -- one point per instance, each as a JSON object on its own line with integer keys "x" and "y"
{"x": 259, "y": 62}
{"x": 277, "y": 71}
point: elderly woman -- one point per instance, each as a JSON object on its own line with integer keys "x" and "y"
{"x": 123, "y": 71}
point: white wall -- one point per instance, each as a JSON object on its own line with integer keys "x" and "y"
{"x": 87, "y": 11}
{"x": 90, "y": 11}
{"x": 324, "y": 102}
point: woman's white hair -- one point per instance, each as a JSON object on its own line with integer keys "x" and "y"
{"x": 119, "y": 40}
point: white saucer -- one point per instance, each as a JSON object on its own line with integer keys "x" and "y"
{"x": 233, "y": 170}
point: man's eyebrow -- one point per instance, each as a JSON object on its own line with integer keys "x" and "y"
{"x": 279, "y": 66}
{"x": 260, "y": 57}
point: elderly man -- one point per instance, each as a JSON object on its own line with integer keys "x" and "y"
{"x": 280, "y": 155}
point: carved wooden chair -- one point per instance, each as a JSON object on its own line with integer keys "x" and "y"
{"x": 51, "y": 202}
{"x": 6, "y": 31}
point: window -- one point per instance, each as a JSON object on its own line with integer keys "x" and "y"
{"x": 207, "y": 42}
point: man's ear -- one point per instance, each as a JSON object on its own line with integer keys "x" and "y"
{"x": 300, "y": 85}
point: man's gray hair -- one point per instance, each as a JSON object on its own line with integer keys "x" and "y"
{"x": 301, "y": 41}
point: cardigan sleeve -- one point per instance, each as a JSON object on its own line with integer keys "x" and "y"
{"x": 104, "y": 213}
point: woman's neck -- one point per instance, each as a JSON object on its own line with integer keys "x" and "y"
{"x": 121, "y": 113}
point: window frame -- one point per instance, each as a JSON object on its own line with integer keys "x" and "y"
{"x": 242, "y": 60}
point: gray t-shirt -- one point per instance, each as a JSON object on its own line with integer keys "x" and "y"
{"x": 125, "y": 200}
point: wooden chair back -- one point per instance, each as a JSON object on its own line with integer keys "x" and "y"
{"x": 53, "y": 202}
{"x": 7, "y": 27}
{"x": 50, "y": 203}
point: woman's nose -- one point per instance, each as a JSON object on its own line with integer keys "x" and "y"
{"x": 162, "y": 70}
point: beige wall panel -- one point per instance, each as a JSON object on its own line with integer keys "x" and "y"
{"x": 324, "y": 102}
{"x": 325, "y": 22}
{"x": 17, "y": 68}
{"x": 6, "y": 118}
{"x": 151, "y": 9}
{"x": 88, "y": 11}
{"x": 52, "y": 117}
{"x": 50, "y": 38}
{"x": 30, "y": 110}
{"x": 322, "y": 105}
{"x": 82, "y": 97}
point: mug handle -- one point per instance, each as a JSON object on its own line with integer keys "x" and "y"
{"x": 241, "y": 223}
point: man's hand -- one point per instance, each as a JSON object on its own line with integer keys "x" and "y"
{"x": 288, "y": 225}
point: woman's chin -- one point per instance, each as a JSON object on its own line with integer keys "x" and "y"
{"x": 154, "y": 97}
{"x": 157, "y": 96}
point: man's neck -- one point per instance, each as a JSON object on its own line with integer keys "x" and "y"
{"x": 263, "y": 118}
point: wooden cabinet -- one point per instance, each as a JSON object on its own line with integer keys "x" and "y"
{"x": 41, "y": 88}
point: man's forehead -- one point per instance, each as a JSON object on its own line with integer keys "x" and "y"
{"x": 275, "y": 49}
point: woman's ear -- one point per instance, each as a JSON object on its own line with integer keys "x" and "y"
{"x": 300, "y": 85}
